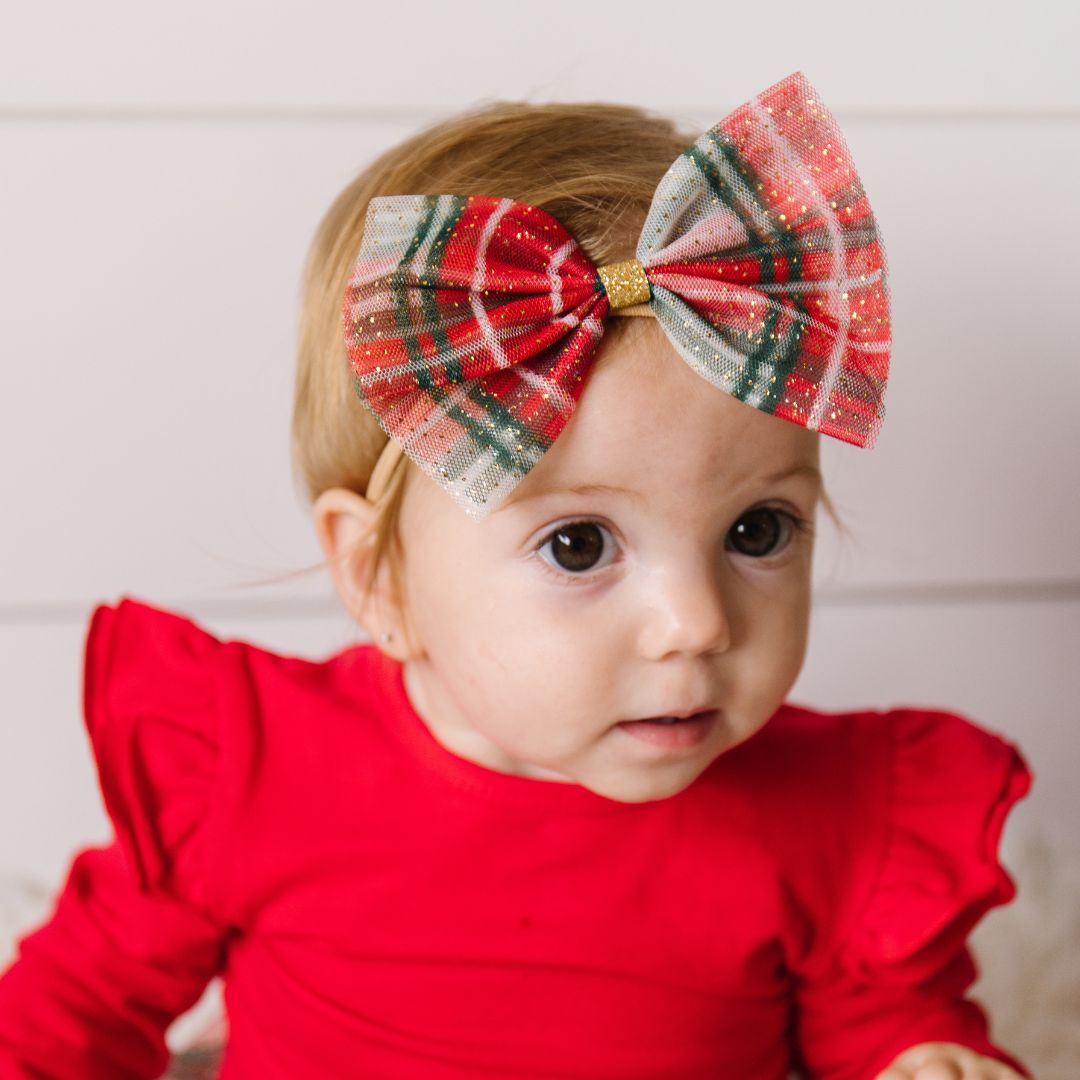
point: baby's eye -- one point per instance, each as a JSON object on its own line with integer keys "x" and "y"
{"x": 575, "y": 547}
{"x": 762, "y": 532}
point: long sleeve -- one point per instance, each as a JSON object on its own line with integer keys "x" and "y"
{"x": 93, "y": 990}
{"x": 896, "y": 972}
{"x": 135, "y": 934}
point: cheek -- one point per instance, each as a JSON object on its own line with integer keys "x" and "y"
{"x": 445, "y": 608}
{"x": 779, "y": 629}
{"x": 793, "y": 652}
{"x": 472, "y": 617}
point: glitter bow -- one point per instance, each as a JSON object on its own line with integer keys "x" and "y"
{"x": 472, "y": 322}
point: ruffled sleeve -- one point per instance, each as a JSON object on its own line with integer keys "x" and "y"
{"x": 151, "y": 713}
{"x": 897, "y": 965}
{"x": 135, "y": 934}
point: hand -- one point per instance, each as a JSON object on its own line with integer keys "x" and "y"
{"x": 946, "y": 1061}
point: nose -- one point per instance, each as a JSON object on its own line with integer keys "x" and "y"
{"x": 688, "y": 609}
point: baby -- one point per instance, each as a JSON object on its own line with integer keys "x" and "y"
{"x": 558, "y": 819}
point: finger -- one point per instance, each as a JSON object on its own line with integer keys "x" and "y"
{"x": 924, "y": 1053}
{"x": 903, "y": 1066}
{"x": 979, "y": 1067}
{"x": 1003, "y": 1072}
{"x": 940, "y": 1069}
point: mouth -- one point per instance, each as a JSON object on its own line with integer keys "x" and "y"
{"x": 688, "y": 729}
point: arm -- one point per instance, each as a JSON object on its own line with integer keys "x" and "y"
{"x": 94, "y": 988}
{"x": 852, "y": 1027}
{"x": 138, "y": 930}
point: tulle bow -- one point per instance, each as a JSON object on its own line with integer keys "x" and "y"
{"x": 472, "y": 321}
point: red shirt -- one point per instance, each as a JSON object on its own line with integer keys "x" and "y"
{"x": 378, "y": 906}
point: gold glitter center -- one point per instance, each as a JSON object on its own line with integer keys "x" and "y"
{"x": 625, "y": 283}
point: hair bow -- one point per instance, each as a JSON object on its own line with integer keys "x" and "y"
{"x": 472, "y": 321}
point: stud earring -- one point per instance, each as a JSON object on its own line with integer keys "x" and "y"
{"x": 385, "y": 637}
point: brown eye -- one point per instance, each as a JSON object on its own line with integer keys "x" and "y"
{"x": 761, "y": 532}
{"x": 576, "y": 547}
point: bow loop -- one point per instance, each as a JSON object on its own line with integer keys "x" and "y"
{"x": 768, "y": 269}
{"x": 468, "y": 321}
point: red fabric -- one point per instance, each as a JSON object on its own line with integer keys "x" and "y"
{"x": 381, "y": 907}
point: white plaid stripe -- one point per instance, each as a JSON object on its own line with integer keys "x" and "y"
{"x": 479, "y": 272}
{"x": 691, "y": 289}
{"x": 836, "y": 356}
{"x": 556, "y": 260}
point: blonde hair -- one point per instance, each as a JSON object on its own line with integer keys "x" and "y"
{"x": 594, "y": 166}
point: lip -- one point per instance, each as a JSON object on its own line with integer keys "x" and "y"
{"x": 692, "y": 729}
{"x": 680, "y": 714}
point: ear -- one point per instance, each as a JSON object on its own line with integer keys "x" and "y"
{"x": 343, "y": 519}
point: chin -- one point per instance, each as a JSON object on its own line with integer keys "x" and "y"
{"x": 645, "y": 790}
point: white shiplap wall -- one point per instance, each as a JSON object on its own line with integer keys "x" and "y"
{"x": 162, "y": 168}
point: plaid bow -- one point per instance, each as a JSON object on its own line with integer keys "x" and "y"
{"x": 471, "y": 322}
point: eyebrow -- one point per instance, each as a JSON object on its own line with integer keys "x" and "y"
{"x": 811, "y": 471}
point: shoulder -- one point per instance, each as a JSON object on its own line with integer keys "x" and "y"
{"x": 804, "y": 748}
{"x": 140, "y": 653}
{"x": 863, "y": 773}
{"x": 150, "y": 708}
{"x": 888, "y": 822}
{"x": 201, "y": 741}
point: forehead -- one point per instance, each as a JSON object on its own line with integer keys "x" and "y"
{"x": 648, "y": 422}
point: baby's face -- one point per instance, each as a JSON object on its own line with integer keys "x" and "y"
{"x": 563, "y": 613}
